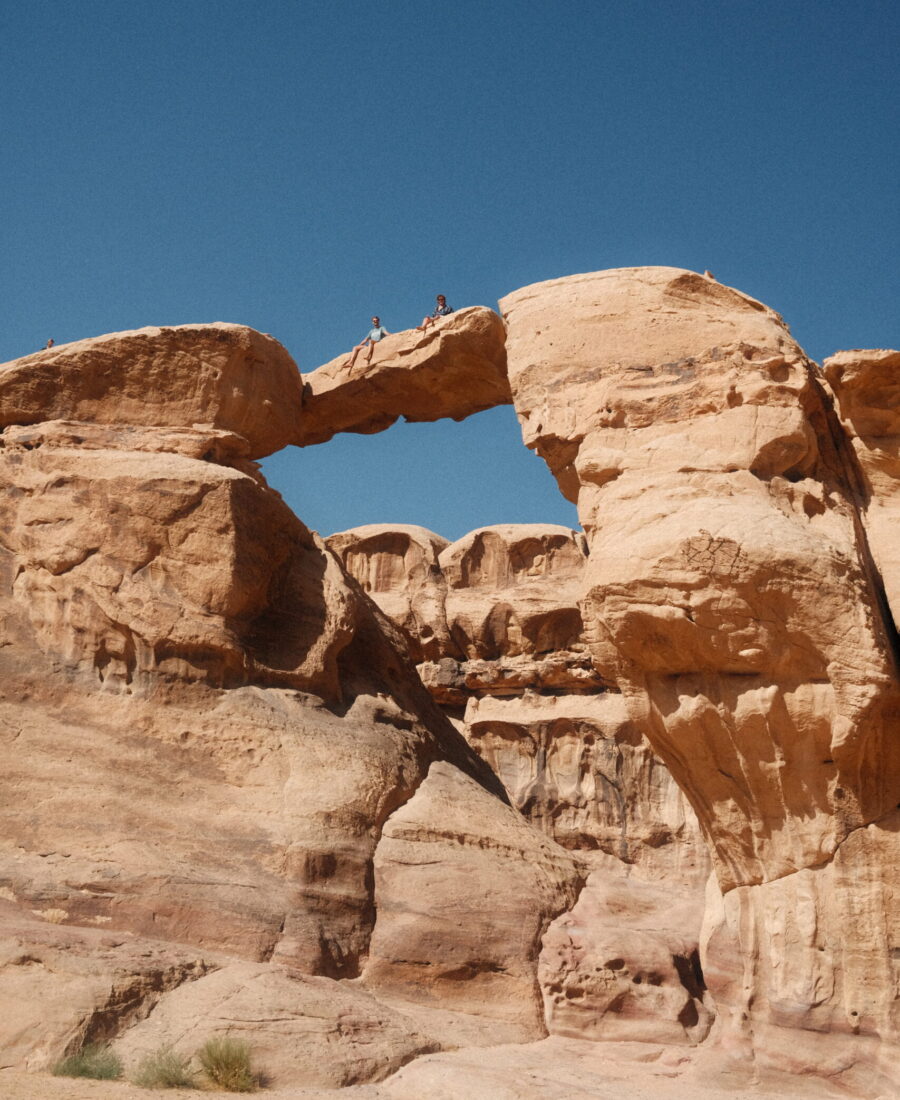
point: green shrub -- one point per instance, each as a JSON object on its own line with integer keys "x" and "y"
{"x": 226, "y": 1062}
{"x": 164, "y": 1069}
{"x": 93, "y": 1060}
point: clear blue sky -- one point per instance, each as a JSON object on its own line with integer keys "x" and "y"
{"x": 297, "y": 166}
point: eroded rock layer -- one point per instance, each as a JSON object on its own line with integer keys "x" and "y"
{"x": 734, "y": 593}
{"x": 206, "y": 727}
{"x": 494, "y": 620}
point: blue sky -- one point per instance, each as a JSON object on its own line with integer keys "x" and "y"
{"x": 298, "y": 166}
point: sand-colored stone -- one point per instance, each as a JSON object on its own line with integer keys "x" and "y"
{"x": 505, "y": 600}
{"x": 579, "y": 767}
{"x": 302, "y": 1030}
{"x": 453, "y": 369}
{"x": 220, "y": 376}
{"x": 730, "y": 593}
{"x": 62, "y": 986}
{"x": 866, "y": 385}
{"x": 494, "y": 613}
{"x": 463, "y": 895}
{"x": 623, "y": 964}
{"x": 397, "y": 565}
{"x": 228, "y": 801}
{"x": 205, "y": 723}
{"x": 553, "y": 1069}
{"x": 513, "y": 589}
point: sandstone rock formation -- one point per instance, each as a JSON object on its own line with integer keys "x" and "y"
{"x": 641, "y": 983}
{"x": 733, "y": 596}
{"x": 464, "y": 933}
{"x": 228, "y": 803}
{"x": 497, "y": 614}
{"x": 310, "y": 1031}
{"x": 206, "y": 725}
{"x": 453, "y": 369}
{"x": 223, "y": 377}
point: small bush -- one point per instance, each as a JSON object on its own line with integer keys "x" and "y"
{"x": 226, "y": 1062}
{"x": 94, "y": 1060}
{"x": 164, "y": 1069}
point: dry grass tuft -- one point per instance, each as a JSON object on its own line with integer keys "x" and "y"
{"x": 164, "y": 1069}
{"x": 95, "y": 1060}
{"x": 226, "y": 1062}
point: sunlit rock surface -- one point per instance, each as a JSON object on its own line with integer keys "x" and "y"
{"x": 224, "y": 377}
{"x": 229, "y": 803}
{"x": 733, "y": 595}
{"x": 453, "y": 369}
{"x": 206, "y": 725}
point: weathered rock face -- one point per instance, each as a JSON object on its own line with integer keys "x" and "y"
{"x": 464, "y": 932}
{"x": 494, "y": 613}
{"x": 398, "y": 567}
{"x": 224, "y": 377}
{"x": 453, "y": 369}
{"x": 205, "y": 724}
{"x": 61, "y": 985}
{"x": 497, "y": 613}
{"x": 811, "y": 961}
{"x": 867, "y": 387}
{"x": 578, "y": 766}
{"x": 303, "y": 1030}
{"x": 623, "y": 964}
{"x": 731, "y": 593}
{"x": 227, "y": 803}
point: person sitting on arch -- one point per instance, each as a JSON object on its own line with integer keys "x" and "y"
{"x": 376, "y": 333}
{"x": 441, "y": 310}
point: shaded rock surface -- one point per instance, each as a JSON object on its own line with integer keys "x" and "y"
{"x": 453, "y": 369}
{"x": 866, "y": 385}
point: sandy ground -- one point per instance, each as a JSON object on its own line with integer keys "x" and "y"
{"x": 555, "y": 1069}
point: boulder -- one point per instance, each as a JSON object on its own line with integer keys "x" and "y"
{"x": 302, "y": 1031}
{"x": 224, "y": 377}
{"x": 453, "y": 369}
{"x": 463, "y": 895}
